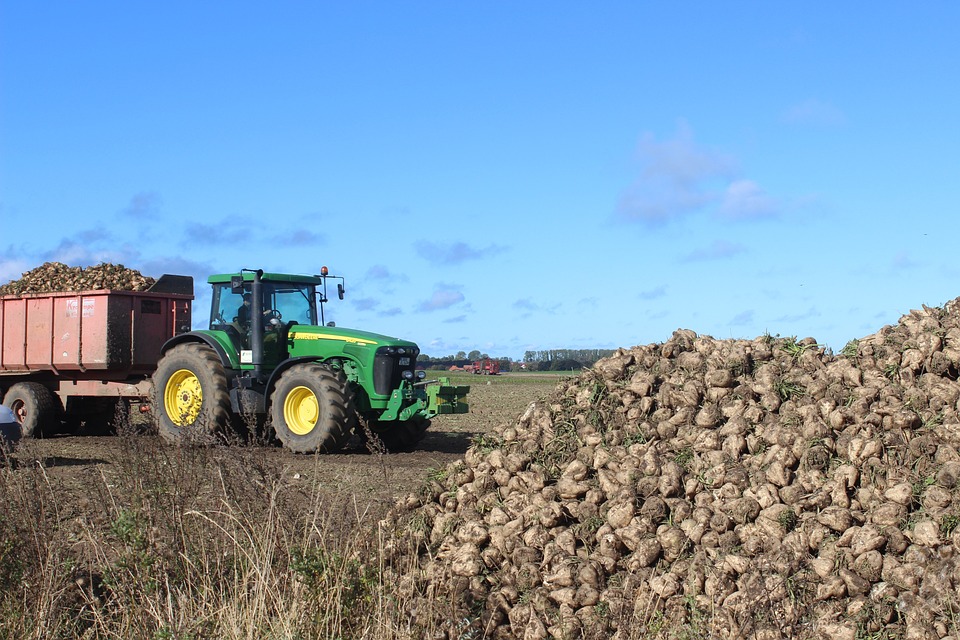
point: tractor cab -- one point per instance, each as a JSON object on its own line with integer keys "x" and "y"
{"x": 267, "y": 303}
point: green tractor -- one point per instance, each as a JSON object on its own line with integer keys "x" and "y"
{"x": 269, "y": 358}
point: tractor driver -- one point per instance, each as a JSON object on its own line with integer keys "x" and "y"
{"x": 243, "y": 314}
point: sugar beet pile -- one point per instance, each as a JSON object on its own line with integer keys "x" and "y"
{"x": 56, "y": 276}
{"x": 707, "y": 488}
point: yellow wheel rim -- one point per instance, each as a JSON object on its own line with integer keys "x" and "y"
{"x": 183, "y": 397}
{"x": 301, "y": 410}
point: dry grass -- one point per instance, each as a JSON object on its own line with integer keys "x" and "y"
{"x": 186, "y": 542}
{"x": 196, "y": 542}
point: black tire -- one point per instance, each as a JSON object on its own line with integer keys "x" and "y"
{"x": 36, "y": 408}
{"x": 401, "y": 436}
{"x": 191, "y": 399}
{"x": 312, "y": 409}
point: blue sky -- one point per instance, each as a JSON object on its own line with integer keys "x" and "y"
{"x": 500, "y": 176}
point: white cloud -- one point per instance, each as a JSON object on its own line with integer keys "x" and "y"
{"x": 12, "y": 269}
{"x": 745, "y": 199}
{"x": 365, "y": 304}
{"x": 903, "y": 261}
{"x": 681, "y": 160}
{"x": 91, "y": 247}
{"x": 299, "y": 238}
{"x": 678, "y": 177}
{"x": 812, "y": 312}
{"x": 378, "y": 272}
{"x": 391, "y": 312}
{"x": 143, "y": 205}
{"x": 444, "y": 297}
{"x": 653, "y": 294}
{"x": 525, "y": 304}
{"x": 228, "y": 231}
{"x": 454, "y": 253}
{"x": 527, "y": 307}
{"x": 717, "y": 250}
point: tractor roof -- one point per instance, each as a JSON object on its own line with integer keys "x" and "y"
{"x": 266, "y": 277}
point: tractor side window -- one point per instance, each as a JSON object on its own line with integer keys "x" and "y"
{"x": 227, "y": 306}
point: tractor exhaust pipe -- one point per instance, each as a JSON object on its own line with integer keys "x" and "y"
{"x": 256, "y": 324}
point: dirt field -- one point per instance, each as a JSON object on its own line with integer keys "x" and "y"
{"x": 126, "y": 536}
{"x": 77, "y": 466}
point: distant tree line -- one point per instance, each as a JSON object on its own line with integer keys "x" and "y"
{"x": 458, "y": 356}
{"x": 544, "y": 360}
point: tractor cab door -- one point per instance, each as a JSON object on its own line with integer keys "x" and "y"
{"x": 283, "y": 305}
{"x": 230, "y": 314}
{"x": 274, "y": 330}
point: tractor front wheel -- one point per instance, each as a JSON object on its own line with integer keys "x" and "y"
{"x": 312, "y": 409}
{"x": 35, "y": 408}
{"x": 191, "y": 398}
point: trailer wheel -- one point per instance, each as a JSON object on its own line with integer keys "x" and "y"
{"x": 35, "y": 408}
{"x": 191, "y": 398}
{"x": 312, "y": 409}
{"x": 401, "y": 436}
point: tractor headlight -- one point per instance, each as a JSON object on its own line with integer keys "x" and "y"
{"x": 407, "y": 375}
{"x": 421, "y": 374}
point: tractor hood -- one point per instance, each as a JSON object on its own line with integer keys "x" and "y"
{"x": 306, "y": 333}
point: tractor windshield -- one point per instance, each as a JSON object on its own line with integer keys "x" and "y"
{"x": 294, "y": 301}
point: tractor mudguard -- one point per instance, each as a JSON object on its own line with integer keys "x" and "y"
{"x": 217, "y": 340}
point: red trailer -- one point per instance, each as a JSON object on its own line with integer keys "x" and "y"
{"x": 486, "y": 367}
{"x": 74, "y": 354}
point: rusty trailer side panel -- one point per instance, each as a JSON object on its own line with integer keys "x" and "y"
{"x": 113, "y": 332}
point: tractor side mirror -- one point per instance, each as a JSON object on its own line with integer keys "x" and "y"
{"x": 236, "y": 284}
{"x": 340, "y": 290}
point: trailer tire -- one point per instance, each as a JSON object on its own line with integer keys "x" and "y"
{"x": 35, "y": 408}
{"x": 312, "y": 409}
{"x": 399, "y": 436}
{"x": 191, "y": 397}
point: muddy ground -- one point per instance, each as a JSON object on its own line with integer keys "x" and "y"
{"x": 78, "y": 468}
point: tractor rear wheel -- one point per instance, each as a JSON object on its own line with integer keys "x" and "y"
{"x": 35, "y": 408}
{"x": 312, "y": 409}
{"x": 401, "y": 436}
{"x": 191, "y": 398}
